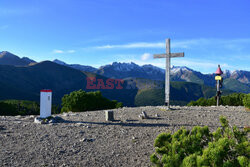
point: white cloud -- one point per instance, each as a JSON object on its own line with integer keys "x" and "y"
{"x": 190, "y": 43}
{"x": 146, "y": 56}
{"x": 132, "y": 45}
{"x": 57, "y": 51}
{"x": 71, "y": 51}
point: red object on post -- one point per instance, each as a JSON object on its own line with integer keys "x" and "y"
{"x": 46, "y": 90}
{"x": 218, "y": 71}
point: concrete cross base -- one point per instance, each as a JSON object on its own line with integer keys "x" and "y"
{"x": 109, "y": 115}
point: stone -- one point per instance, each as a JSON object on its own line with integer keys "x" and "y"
{"x": 38, "y": 120}
{"x": 109, "y": 115}
{"x": 157, "y": 115}
{"x": 143, "y": 115}
{"x": 50, "y": 120}
{"x": 86, "y": 140}
{"x": 65, "y": 114}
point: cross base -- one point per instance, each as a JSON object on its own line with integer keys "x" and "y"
{"x": 167, "y": 105}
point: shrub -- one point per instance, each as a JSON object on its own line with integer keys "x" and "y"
{"x": 23, "y": 107}
{"x": 199, "y": 148}
{"x": 87, "y": 101}
{"x": 246, "y": 101}
{"x": 8, "y": 109}
{"x": 235, "y": 99}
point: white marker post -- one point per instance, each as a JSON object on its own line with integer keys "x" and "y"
{"x": 45, "y": 103}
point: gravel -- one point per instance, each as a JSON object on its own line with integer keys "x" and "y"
{"x": 86, "y": 139}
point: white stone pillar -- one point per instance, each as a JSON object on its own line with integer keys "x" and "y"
{"x": 45, "y": 103}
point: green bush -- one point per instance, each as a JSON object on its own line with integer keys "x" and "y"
{"x": 225, "y": 147}
{"x": 246, "y": 101}
{"x": 80, "y": 100}
{"x": 235, "y": 99}
{"x": 8, "y": 109}
{"x": 23, "y": 107}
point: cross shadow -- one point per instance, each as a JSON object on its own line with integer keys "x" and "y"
{"x": 118, "y": 123}
{"x": 131, "y": 124}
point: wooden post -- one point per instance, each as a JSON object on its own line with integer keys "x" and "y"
{"x": 219, "y": 81}
{"x": 218, "y": 92}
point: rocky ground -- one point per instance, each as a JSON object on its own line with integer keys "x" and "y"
{"x": 86, "y": 139}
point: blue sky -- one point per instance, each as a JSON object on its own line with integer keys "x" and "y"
{"x": 99, "y": 32}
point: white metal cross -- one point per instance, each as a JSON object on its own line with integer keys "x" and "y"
{"x": 168, "y": 55}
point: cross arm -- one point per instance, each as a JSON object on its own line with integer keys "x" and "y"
{"x": 164, "y": 55}
{"x": 177, "y": 54}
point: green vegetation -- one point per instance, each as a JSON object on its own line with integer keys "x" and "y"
{"x": 80, "y": 100}
{"x": 7, "y": 109}
{"x": 235, "y": 99}
{"x": 246, "y": 101}
{"x": 181, "y": 94}
{"x": 236, "y": 85}
{"x": 226, "y": 147}
{"x": 22, "y": 107}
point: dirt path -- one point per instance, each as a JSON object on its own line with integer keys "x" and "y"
{"x": 86, "y": 139}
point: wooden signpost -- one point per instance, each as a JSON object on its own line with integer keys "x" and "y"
{"x": 168, "y": 55}
{"x": 219, "y": 81}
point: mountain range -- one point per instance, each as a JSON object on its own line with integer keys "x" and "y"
{"x": 22, "y": 78}
{"x": 7, "y": 58}
{"x": 238, "y": 81}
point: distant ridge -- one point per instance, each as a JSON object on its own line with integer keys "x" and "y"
{"x": 7, "y": 58}
{"x": 76, "y": 66}
{"x": 238, "y": 80}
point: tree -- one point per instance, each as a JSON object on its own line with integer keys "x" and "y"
{"x": 80, "y": 100}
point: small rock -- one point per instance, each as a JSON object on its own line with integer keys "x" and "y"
{"x": 157, "y": 115}
{"x": 38, "y": 120}
{"x": 65, "y": 114}
{"x": 86, "y": 140}
{"x": 52, "y": 121}
{"x": 143, "y": 115}
{"x": 79, "y": 124}
{"x": 134, "y": 138}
